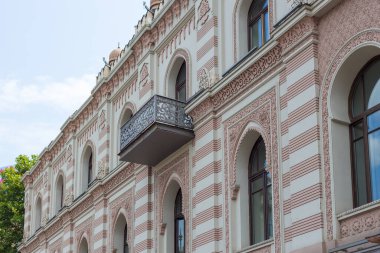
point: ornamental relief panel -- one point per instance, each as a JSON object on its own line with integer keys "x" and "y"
{"x": 84, "y": 230}
{"x": 123, "y": 205}
{"x": 262, "y": 112}
{"x": 247, "y": 78}
{"x": 178, "y": 167}
{"x": 360, "y": 223}
{"x": 203, "y": 12}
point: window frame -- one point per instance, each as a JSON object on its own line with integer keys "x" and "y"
{"x": 253, "y": 176}
{"x": 179, "y": 85}
{"x": 252, "y": 22}
{"x": 90, "y": 170}
{"x": 125, "y": 241}
{"x": 355, "y": 120}
{"x": 178, "y": 216}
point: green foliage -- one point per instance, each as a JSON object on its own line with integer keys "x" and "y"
{"x": 12, "y": 203}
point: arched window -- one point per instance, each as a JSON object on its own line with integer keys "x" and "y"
{"x": 179, "y": 224}
{"x": 126, "y": 247}
{"x": 180, "y": 84}
{"x": 59, "y": 194}
{"x": 260, "y": 195}
{"x": 89, "y": 179}
{"x": 83, "y": 248}
{"x": 38, "y": 214}
{"x": 258, "y": 24}
{"x": 365, "y": 133}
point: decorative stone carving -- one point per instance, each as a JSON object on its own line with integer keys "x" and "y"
{"x": 102, "y": 119}
{"x": 26, "y": 202}
{"x": 162, "y": 228}
{"x": 103, "y": 169}
{"x": 144, "y": 73}
{"x": 46, "y": 180}
{"x": 297, "y": 32}
{"x": 235, "y": 191}
{"x": 44, "y": 220}
{"x": 203, "y": 12}
{"x": 69, "y": 153}
{"x": 234, "y": 129}
{"x": 360, "y": 223}
{"x": 204, "y": 79}
{"x": 353, "y": 42}
{"x": 69, "y": 198}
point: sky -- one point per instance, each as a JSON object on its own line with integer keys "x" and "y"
{"x": 51, "y": 52}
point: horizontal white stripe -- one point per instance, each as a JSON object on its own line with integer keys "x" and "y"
{"x": 303, "y": 125}
{"x": 302, "y": 98}
{"x": 300, "y": 72}
{"x": 307, "y": 239}
{"x": 304, "y": 153}
{"x": 306, "y": 210}
{"x": 305, "y": 181}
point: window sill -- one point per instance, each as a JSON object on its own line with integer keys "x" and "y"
{"x": 359, "y": 210}
{"x": 257, "y": 246}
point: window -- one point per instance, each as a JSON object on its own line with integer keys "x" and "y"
{"x": 365, "y": 133}
{"x": 38, "y": 214}
{"x": 260, "y": 195}
{"x": 179, "y": 224}
{"x": 126, "y": 247}
{"x": 89, "y": 179}
{"x": 59, "y": 194}
{"x": 258, "y": 24}
{"x": 180, "y": 84}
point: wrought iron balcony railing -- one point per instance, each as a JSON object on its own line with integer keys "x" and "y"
{"x": 160, "y": 110}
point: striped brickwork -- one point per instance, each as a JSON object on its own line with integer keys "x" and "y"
{"x": 300, "y": 142}
{"x": 207, "y": 183}
{"x": 143, "y": 241}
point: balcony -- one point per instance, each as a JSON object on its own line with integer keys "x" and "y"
{"x": 158, "y": 129}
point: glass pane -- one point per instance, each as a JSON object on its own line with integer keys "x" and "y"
{"x": 181, "y": 94}
{"x": 373, "y": 121}
{"x": 371, "y": 78}
{"x": 257, "y": 185}
{"x": 357, "y": 131}
{"x": 258, "y": 217}
{"x": 269, "y": 179}
{"x": 254, "y": 30}
{"x": 357, "y": 99}
{"x": 261, "y": 155}
{"x": 255, "y": 9}
{"x": 180, "y": 235}
{"x": 374, "y": 147}
{"x": 266, "y": 26}
{"x": 360, "y": 175}
{"x": 259, "y": 32}
{"x": 269, "y": 218}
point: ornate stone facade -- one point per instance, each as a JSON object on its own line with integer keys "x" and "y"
{"x": 281, "y": 91}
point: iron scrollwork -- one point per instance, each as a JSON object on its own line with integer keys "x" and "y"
{"x": 157, "y": 110}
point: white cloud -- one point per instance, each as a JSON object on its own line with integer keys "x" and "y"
{"x": 67, "y": 94}
{"x": 31, "y": 114}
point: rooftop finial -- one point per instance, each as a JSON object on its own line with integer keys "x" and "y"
{"x": 147, "y": 8}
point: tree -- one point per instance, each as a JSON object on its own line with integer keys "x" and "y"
{"x": 12, "y": 203}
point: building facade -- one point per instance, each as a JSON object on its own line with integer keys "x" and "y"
{"x": 223, "y": 126}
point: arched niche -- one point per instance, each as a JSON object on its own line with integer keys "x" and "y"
{"x": 168, "y": 219}
{"x": 88, "y": 171}
{"x": 83, "y": 246}
{"x": 120, "y": 235}
{"x": 339, "y": 121}
{"x": 59, "y": 193}
{"x": 179, "y": 58}
{"x": 38, "y": 213}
